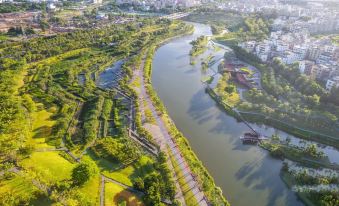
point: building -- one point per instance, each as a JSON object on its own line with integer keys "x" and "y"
{"x": 51, "y": 6}
{"x": 306, "y": 67}
{"x": 301, "y": 51}
{"x": 324, "y": 58}
{"x": 96, "y": 1}
{"x": 248, "y": 46}
{"x": 314, "y": 53}
{"x": 334, "y": 82}
{"x": 281, "y": 46}
{"x": 263, "y": 48}
{"x": 322, "y": 71}
{"x": 289, "y": 57}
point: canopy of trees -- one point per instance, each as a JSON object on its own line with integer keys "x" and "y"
{"x": 84, "y": 171}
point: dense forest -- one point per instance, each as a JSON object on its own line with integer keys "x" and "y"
{"x": 22, "y": 6}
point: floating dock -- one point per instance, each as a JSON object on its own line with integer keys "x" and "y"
{"x": 251, "y": 138}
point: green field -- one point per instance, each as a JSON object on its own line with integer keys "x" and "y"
{"x": 50, "y": 166}
{"x": 42, "y": 124}
{"x": 138, "y": 169}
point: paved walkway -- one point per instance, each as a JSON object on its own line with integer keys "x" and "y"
{"x": 168, "y": 145}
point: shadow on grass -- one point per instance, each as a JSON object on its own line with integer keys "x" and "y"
{"x": 102, "y": 163}
{"x": 126, "y": 198}
{"x": 141, "y": 170}
{"x": 43, "y": 131}
{"x": 41, "y": 200}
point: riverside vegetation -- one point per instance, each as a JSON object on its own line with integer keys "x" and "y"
{"x": 288, "y": 99}
{"x": 198, "y": 46}
{"x": 61, "y": 132}
{"x": 213, "y": 193}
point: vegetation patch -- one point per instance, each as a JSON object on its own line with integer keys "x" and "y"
{"x": 227, "y": 90}
{"x": 199, "y": 46}
{"x": 16, "y": 190}
{"x": 42, "y": 124}
{"x": 50, "y": 166}
{"x": 115, "y": 195}
{"x": 128, "y": 174}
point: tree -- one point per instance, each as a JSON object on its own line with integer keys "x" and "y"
{"x": 139, "y": 184}
{"x": 29, "y": 31}
{"x": 333, "y": 97}
{"x": 44, "y": 25}
{"x": 277, "y": 152}
{"x": 152, "y": 190}
{"x": 230, "y": 89}
{"x": 288, "y": 140}
{"x": 285, "y": 167}
{"x": 84, "y": 171}
{"x": 15, "y": 31}
{"x": 312, "y": 150}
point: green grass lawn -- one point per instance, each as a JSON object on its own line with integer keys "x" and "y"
{"x": 231, "y": 99}
{"x": 138, "y": 169}
{"x": 91, "y": 190}
{"x": 103, "y": 164}
{"x": 49, "y": 165}
{"x": 335, "y": 40}
{"x": 3, "y": 37}
{"x": 41, "y": 127}
{"x": 115, "y": 195}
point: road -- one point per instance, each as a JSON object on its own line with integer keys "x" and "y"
{"x": 177, "y": 15}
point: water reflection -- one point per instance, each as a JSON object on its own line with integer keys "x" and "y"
{"x": 246, "y": 174}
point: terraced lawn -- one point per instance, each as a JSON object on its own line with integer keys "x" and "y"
{"x": 17, "y": 188}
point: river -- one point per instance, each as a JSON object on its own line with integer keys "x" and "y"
{"x": 246, "y": 174}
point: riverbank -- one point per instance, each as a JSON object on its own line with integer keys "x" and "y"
{"x": 246, "y": 174}
{"x": 213, "y": 193}
{"x": 266, "y": 120}
{"x": 282, "y": 150}
{"x": 288, "y": 180}
{"x": 266, "y": 112}
{"x": 161, "y": 130}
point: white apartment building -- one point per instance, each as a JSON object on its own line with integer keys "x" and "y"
{"x": 289, "y": 57}
{"x": 334, "y": 82}
{"x": 301, "y": 51}
{"x": 281, "y": 46}
{"x": 248, "y": 46}
{"x": 324, "y": 58}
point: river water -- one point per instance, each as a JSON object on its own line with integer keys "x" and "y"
{"x": 246, "y": 174}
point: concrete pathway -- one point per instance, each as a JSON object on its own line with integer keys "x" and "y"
{"x": 168, "y": 145}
